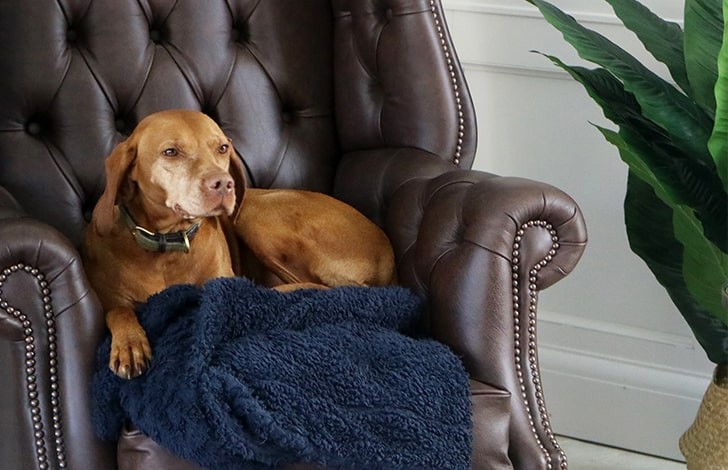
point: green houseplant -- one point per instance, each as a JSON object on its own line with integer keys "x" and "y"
{"x": 674, "y": 139}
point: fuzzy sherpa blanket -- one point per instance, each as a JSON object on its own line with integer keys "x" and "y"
{"x": 246, "y": 377}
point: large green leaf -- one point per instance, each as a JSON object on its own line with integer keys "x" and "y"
{"x": 693, "y": 187}
{"x": 663, "y": 39}
{"x": 687, "y": 123}
{"x": 705, "y": 267}
{"x": 702, "y": 41}
{"x": 683, "y": 181}
{"x": 718, "y": 143}
{"x": 649, "y": 221}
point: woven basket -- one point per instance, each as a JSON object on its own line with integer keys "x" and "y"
{"x": 704, "y": 444}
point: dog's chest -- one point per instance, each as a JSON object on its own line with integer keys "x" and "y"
{"x": 195, "y": 267}
{"x": 131, "y": 271}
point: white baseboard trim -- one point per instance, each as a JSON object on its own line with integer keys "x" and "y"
{"x": 597, "y": 391}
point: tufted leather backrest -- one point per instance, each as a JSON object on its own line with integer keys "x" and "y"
{"x": 398, "y": 82}
{"x": 294, "y": 83}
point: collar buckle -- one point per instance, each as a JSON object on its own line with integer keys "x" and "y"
{"x": 160, "y": 242}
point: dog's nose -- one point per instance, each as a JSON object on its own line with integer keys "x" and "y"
{"x": 221, "y": 183}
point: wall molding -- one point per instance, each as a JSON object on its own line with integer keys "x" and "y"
{"x": 491, "y": 7}
{"x": 615, "y": 330}
{"x": 549, "y": 73}
{"x": 515, "y": 12}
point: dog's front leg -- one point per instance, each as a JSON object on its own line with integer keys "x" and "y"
{"x": 130, "y": 350}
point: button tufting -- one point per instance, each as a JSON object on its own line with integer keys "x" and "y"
{"x": 211, "y": 111}
{"x": 155, "y": 36}
{"x": 71, "y": 35}
{"x": 240, "y": 33}
{"x": 288, "y": 113}
{"x": 33, "y": 128}
{"x": 37, "y": 124}
{"x": 120, "y": 125}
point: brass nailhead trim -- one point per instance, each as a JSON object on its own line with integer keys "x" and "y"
{"x": 532, "y": 359}
{"x": 455, "y": 84}
{"x": 40, "y": 434}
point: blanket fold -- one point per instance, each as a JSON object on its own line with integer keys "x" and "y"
{"x": 246, "y": 377}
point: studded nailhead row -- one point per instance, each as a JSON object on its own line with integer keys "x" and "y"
{"x": 40, "y": 434}
{"x": 455, "y": 84}
{"x": 532, "y": 358}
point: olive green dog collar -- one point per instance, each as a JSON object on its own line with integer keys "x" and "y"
{"x": 160, "y": 242}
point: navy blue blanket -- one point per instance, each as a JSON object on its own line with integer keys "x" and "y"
{"x": 246, "y": 377}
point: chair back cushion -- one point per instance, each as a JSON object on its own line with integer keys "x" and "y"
{"x": 77, "y": 75}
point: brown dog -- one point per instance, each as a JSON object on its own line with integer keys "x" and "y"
{"x": 169, "y": 189}
{"x": 163, "y": 220}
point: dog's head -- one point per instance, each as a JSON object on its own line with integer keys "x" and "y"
{"x": 181, "y": 165}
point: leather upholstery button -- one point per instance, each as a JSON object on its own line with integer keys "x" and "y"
{"x": 120, "y": 125}
{"x": 71, "y": 35}
{"x": 33, "y": 128}
{"x": 155, "y": 35}
{"x": 240, "y": 33}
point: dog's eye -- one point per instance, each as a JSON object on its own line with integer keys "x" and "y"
{"x": 223, "y": 148}
{"x": 170, "y": 152}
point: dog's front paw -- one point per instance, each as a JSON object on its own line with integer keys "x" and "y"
{"x": 130, "y": 354}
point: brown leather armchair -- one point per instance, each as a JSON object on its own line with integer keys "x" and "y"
{"x": 364, "y": 99}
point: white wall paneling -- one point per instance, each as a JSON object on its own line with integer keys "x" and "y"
{"x": 620, "y": 366}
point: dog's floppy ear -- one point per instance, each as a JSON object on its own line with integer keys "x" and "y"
{"x": 117, "y": 166}
{"x": 237, "y": 171}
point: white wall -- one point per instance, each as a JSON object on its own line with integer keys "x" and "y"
{"x": 620, "y": 365}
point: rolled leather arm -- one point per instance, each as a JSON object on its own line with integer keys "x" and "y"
{"x": 479, "y": 247}
{"x": 50, "y": 326}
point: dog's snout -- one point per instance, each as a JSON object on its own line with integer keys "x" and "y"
{"x": 219, "y": 183}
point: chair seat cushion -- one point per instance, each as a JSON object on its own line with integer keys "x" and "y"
{"x": 247, "y": 376}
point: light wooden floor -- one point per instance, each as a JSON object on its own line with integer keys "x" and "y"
{"x": 587, "y": 456}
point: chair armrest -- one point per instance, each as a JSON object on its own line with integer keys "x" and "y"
{"x": 50, "y": 326}
{"x": 480, "y": 247}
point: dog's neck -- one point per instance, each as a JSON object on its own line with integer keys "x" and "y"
{"x": 156, "y": 241}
